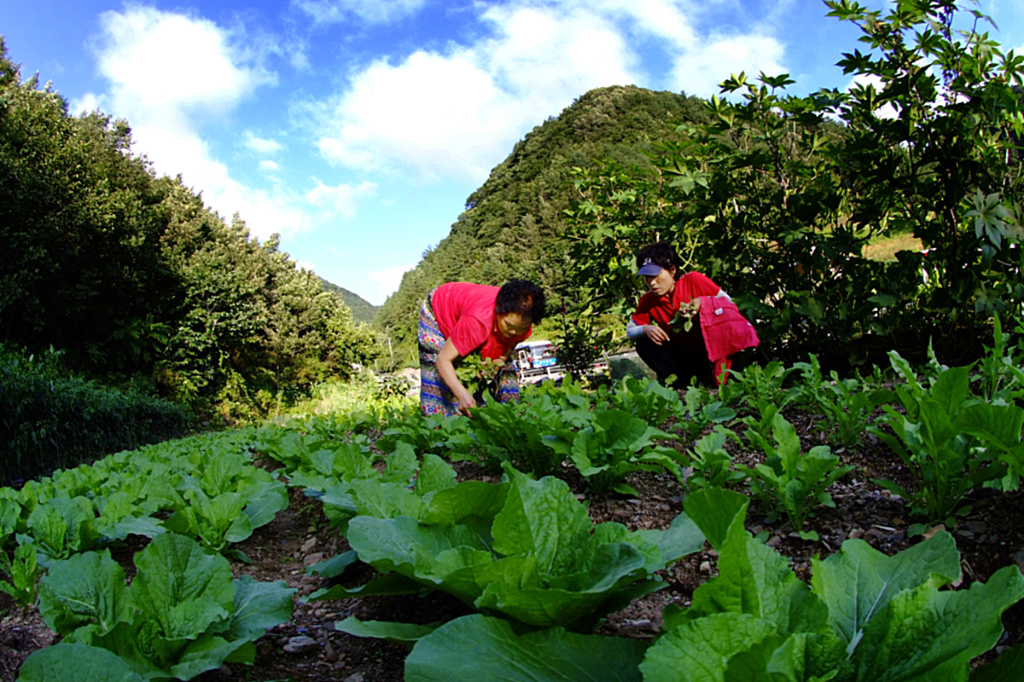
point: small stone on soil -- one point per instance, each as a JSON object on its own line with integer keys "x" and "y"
{"x": 302, "y": 644}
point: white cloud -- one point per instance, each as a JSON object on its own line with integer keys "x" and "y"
{"x": 269, "y": 166}
{"x": 388, "y": 281}
{"x": 267, "y": 213}
{"x": 667, "y": 20}
{"x": 551, "y": 57}
{"x": 87, "y": 103}
{"x": 437, "y": 114}
{"x": 370, "y": 11}
{"x": 699, "y": 71}
{"x": 143, "y": 54}
{"x": 339, "y": 199}
{"x": 260, "y": 145}
{"x": 165, "y": 91}
{"x": 457, "y": 114}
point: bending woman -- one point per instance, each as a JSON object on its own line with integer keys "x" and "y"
{"x": 459, "y": 318}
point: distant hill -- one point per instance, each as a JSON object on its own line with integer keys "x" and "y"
{"x": 512, "y": 225}
{"x": 362, "y": 310}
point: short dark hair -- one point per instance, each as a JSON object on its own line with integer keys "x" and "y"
{"x": 521, "y": 296}
{"x": 659, "y": 253}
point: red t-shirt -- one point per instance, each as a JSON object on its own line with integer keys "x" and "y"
{"x": 660, "y": 310}
{"x": 465, "y": 315}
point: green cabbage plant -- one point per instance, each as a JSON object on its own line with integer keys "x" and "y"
{"x": 182, "y": 614}
{"x": 524, "y": 548}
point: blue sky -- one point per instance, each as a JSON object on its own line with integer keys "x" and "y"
{"x": 356, "y": 129}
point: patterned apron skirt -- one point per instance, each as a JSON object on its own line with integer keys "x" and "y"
{"x": 435, "y": 396}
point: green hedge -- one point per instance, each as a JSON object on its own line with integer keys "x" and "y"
{"x": 50, "y": 420}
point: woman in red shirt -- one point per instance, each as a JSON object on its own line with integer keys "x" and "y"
{"x": 459, "y": 318}
{"x": 667, "y": 348}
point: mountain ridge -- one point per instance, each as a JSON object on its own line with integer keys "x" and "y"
{"x": 362, "y": 310}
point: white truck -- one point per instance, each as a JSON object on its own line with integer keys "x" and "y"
{"x": 538, "y": 360}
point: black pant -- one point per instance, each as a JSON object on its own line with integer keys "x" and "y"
{"x": 685, "y": 363}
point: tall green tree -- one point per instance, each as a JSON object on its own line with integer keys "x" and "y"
{"x": 133, "y": 276}
{"x": 80, "y": 223}
{"x": 934, "y": 129}
{"x": 250, "y": 324}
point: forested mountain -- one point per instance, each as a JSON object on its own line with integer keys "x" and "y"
{"x": 362, "y": 310}
{"x": 135, "y": 279}
{"x": 512, "y": 224}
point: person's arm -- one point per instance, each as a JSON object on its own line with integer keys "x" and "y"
{"x": 635, "y": 329}
{"x": 695, "y": 302}
{"x": 446, "y": 369}
{"x": 652, "y": 331}
{"x": 721, "y": 294}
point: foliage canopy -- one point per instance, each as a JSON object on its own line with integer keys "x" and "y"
{"x": 135, "y": 278}
{"x": 775, "y": 195}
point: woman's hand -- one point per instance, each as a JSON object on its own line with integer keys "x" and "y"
{"x": 466, "y": 401}
{"x": 655, "y": 333}
{"x": 446, "y": 369}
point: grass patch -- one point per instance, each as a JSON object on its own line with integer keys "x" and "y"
{"x": 885, "y": 249}
{"x": 364, "y": 394}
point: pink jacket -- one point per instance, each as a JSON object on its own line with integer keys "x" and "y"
{"x": 725, "y": 331}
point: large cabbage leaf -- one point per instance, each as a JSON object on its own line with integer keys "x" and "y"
{"x": 480, "y": 648}
{"x": 183, "y": 613}
{"x": 866, "y": 616}
{"x": 525, "y": 548}
{"x": 66, "y": 661}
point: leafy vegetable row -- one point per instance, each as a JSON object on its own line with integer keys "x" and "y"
{"x": 865, "y": 616}
{"x": 182, "y": 614}
{"x": 204, "y": 487}
{"x": 525, "y": 550}
{"x": 952, "y": 438}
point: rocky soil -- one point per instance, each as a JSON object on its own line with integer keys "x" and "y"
{"x": 309, "y": 648}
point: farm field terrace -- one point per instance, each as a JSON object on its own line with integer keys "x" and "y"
{"x": 624, "y": 544}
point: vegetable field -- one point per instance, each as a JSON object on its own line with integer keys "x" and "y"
{"x": 792, "y": 523}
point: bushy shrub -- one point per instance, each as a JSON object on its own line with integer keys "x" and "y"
{"x": 50, "y": 420}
